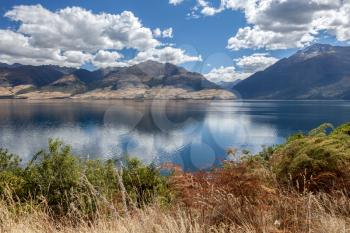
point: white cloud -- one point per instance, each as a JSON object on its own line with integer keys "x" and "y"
{"x": 225, "y": 74}
{"x": 208, "y": 10}
{"x": 74, "y": 28}
{"x": 166, "y": 33}
{"x": 76, "y": 57}
{"x": 107, "y": 59}
{"x": 257, "y": 38}
{"x": 73, "y": 36}
{"x": 175, "y": 2}
{"x": 248, "y": 65}
{"x": 157, "y": 32}
{"x": 255, "y": 62}
{"x": 282, "y": 24}
{"x": 16, "y": 48}
{"x": 337, "y": 22}
{"x": 166, "y": 54}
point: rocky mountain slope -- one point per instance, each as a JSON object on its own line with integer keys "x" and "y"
{"x": 317, "y": 72}
{"x": 147, "y": 80}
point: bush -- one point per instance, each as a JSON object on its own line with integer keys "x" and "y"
{"x": 54, "y": 175}
{"x": 10, "y": 172}
{"x": 317, "y": 161}
{"x": 145, "y": 183}
{"x": 68, "y": 185}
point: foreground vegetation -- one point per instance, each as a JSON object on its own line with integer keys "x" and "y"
{"x": 302, "y": 185}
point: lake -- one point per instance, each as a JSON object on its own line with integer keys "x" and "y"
{"x": 193, "y": 134}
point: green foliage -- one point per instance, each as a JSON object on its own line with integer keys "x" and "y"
{"x": 10, "y": 171}
{"x": 145, "y": 183}
{"x": 67, "y": 184}
{"x": 321, "y": 130}
{"x": 54, "y": 175}
{"x": 8, "y": 162}
{"x": 342, "y": 130}
{"x": 317, "y": 160}
{"x": 260, "y": 159}
{"x": 295, "y": 137}
{"x": 102, "y": 175}
{"x": 267, "y": 153}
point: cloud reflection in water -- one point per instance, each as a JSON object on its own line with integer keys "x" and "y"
{"x": 193, "y": 134}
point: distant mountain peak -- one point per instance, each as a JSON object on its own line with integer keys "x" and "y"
{"x": 315, "y": 50}
{"x": 150, "y": 62}
{"x": 318, "y": 46}
{"x": 319, "y": 71}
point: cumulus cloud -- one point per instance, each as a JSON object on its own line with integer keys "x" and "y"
{"x": 107, "y": 59}
{"x": 175, "y": 2}
{"x": 73, "y": 36}
{"x": 248, "y": 65}
{"x": 167, "y": 33}
{"x": 282, "y": 24}
{"x": 226, "y": 74}
{"x": 257, "y": 38}
{"x": 16, "y": 48}
{"x": 207, "y": 9}
{"x": 255, "y": 62}
{"x": 166, "y": 54}
{"x": 157, "y": 32}
{"x": 74, "y": 28}
{"x": 76, "y": 57}
{"x": 337, "y": 22}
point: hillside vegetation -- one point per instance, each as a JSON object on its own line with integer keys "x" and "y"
{"x": 302, "y": 185}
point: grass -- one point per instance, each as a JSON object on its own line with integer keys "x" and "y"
{"x": 299, "y": 186}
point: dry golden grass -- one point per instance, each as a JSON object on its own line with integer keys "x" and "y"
{"x": 309, "y": 213}
{"x": 149, "y": 220}
{"x": 224, "y": 200}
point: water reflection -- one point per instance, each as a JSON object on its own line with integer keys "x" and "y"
{"x": 193, "y": 134}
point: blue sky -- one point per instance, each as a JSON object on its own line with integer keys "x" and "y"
{"x": 201, "y": 30}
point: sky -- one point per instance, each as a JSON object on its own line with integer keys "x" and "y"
{"x": 223, "y": 39}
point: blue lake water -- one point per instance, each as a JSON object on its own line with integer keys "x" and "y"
{"x": 193, "y": 134}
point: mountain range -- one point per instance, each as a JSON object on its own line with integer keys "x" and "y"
{"x": 147, "y": 80}
{"x": 319, "y": 71}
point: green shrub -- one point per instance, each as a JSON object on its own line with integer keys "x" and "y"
{"x": 102, "y": 176}
{"x": 145, "y": 183}
{"x": 67, "y": 184}
{"x": 11, "y": 174}
{"x": 9, "y": 162}
{"x": 319, "y": 160}
{"x": 58, "y": 178}
{"x": 343, "y": 130}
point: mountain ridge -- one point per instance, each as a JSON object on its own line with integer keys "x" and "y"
{"x": 146, "y": 80}
{"x": 320, "y": 71}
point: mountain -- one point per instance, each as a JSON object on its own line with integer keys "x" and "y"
{"x": 320, "y": 71}
{"x": 147, "y": 80}
{"x": 28, "y": 75}
{"x": 4, "y": 65}
{"x": 229, "y": 85}
{"x": 68, "y": 83}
